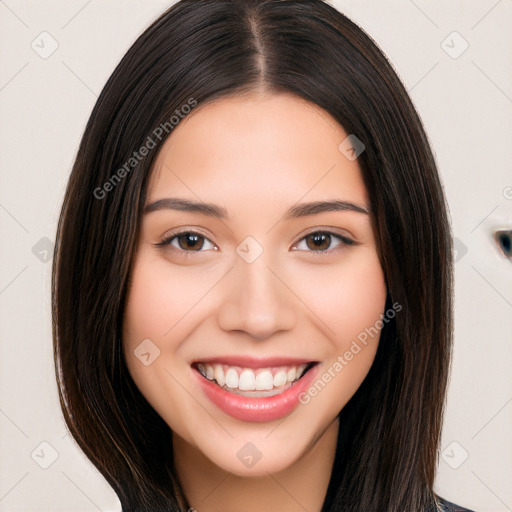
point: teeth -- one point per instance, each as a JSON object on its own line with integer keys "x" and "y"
{"x": 247, "y": 379}
{"x": 279, "y": 379}
{"x": 218, "y": 375}
{"x": 264, "y": 381}
{"x": 231, "y": 378}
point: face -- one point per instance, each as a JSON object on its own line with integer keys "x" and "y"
{"x": 245, "y": 317}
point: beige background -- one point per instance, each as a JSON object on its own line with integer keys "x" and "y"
{"x": 466, "y": 105}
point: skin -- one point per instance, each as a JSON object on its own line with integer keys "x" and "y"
{"x": 254, "y": 155}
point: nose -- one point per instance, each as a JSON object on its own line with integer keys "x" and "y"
{"x": 256, "y": 300}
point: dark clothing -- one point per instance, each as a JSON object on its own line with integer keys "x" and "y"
{"x": 447, "y": 506}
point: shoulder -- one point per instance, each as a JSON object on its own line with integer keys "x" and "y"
{"x": 448, "y": 506}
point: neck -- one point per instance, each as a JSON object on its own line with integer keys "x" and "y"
{"x": 301, "y": 486}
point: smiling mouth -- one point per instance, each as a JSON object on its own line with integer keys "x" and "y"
{"x": 250, "y": 382}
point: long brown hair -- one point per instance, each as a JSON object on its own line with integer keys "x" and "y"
{"x": 206, "y": 49}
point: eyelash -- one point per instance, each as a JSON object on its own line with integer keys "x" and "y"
{"x": 166, "y": 242}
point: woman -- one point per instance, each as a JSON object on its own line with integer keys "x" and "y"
{"x": 252, "y": 283}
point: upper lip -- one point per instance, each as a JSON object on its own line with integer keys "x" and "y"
{"x": 254, "y": 362}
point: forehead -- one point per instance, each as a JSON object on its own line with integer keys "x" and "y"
{"x": 272, "y": 147}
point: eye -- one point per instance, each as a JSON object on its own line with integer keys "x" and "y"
{"x": 187, "y": 241}
{"x": 317, "y": 241}
{"x": 321, "y": 241}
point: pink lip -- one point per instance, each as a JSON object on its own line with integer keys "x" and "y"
{"x": 261, "y": 409}
{"x": 251, "y": 362}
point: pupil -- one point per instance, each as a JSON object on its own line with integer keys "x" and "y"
{"x": 191, "y": 241}
{"x": 319, "y": 241}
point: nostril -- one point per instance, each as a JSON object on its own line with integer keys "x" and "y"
{"x": 503, "y": 239}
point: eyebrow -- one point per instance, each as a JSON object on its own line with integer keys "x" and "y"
{"x": 294, "y": 212}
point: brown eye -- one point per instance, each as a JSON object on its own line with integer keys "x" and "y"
{"x": 190, "y": 241}
{"x": 187, "y": 242}
{"x": 318, "y": 241}
{"x": 323, "y": 241}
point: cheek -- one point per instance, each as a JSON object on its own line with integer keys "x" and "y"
{"x": 159, "y": 300}
{"x": 156, "y": 310}
{"x": 362, "y": 298}
{"x": 347, "y": 298}
{"x": 350, "y": 306}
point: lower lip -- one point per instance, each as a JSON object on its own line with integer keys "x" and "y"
{"x": 260, "y": 409}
